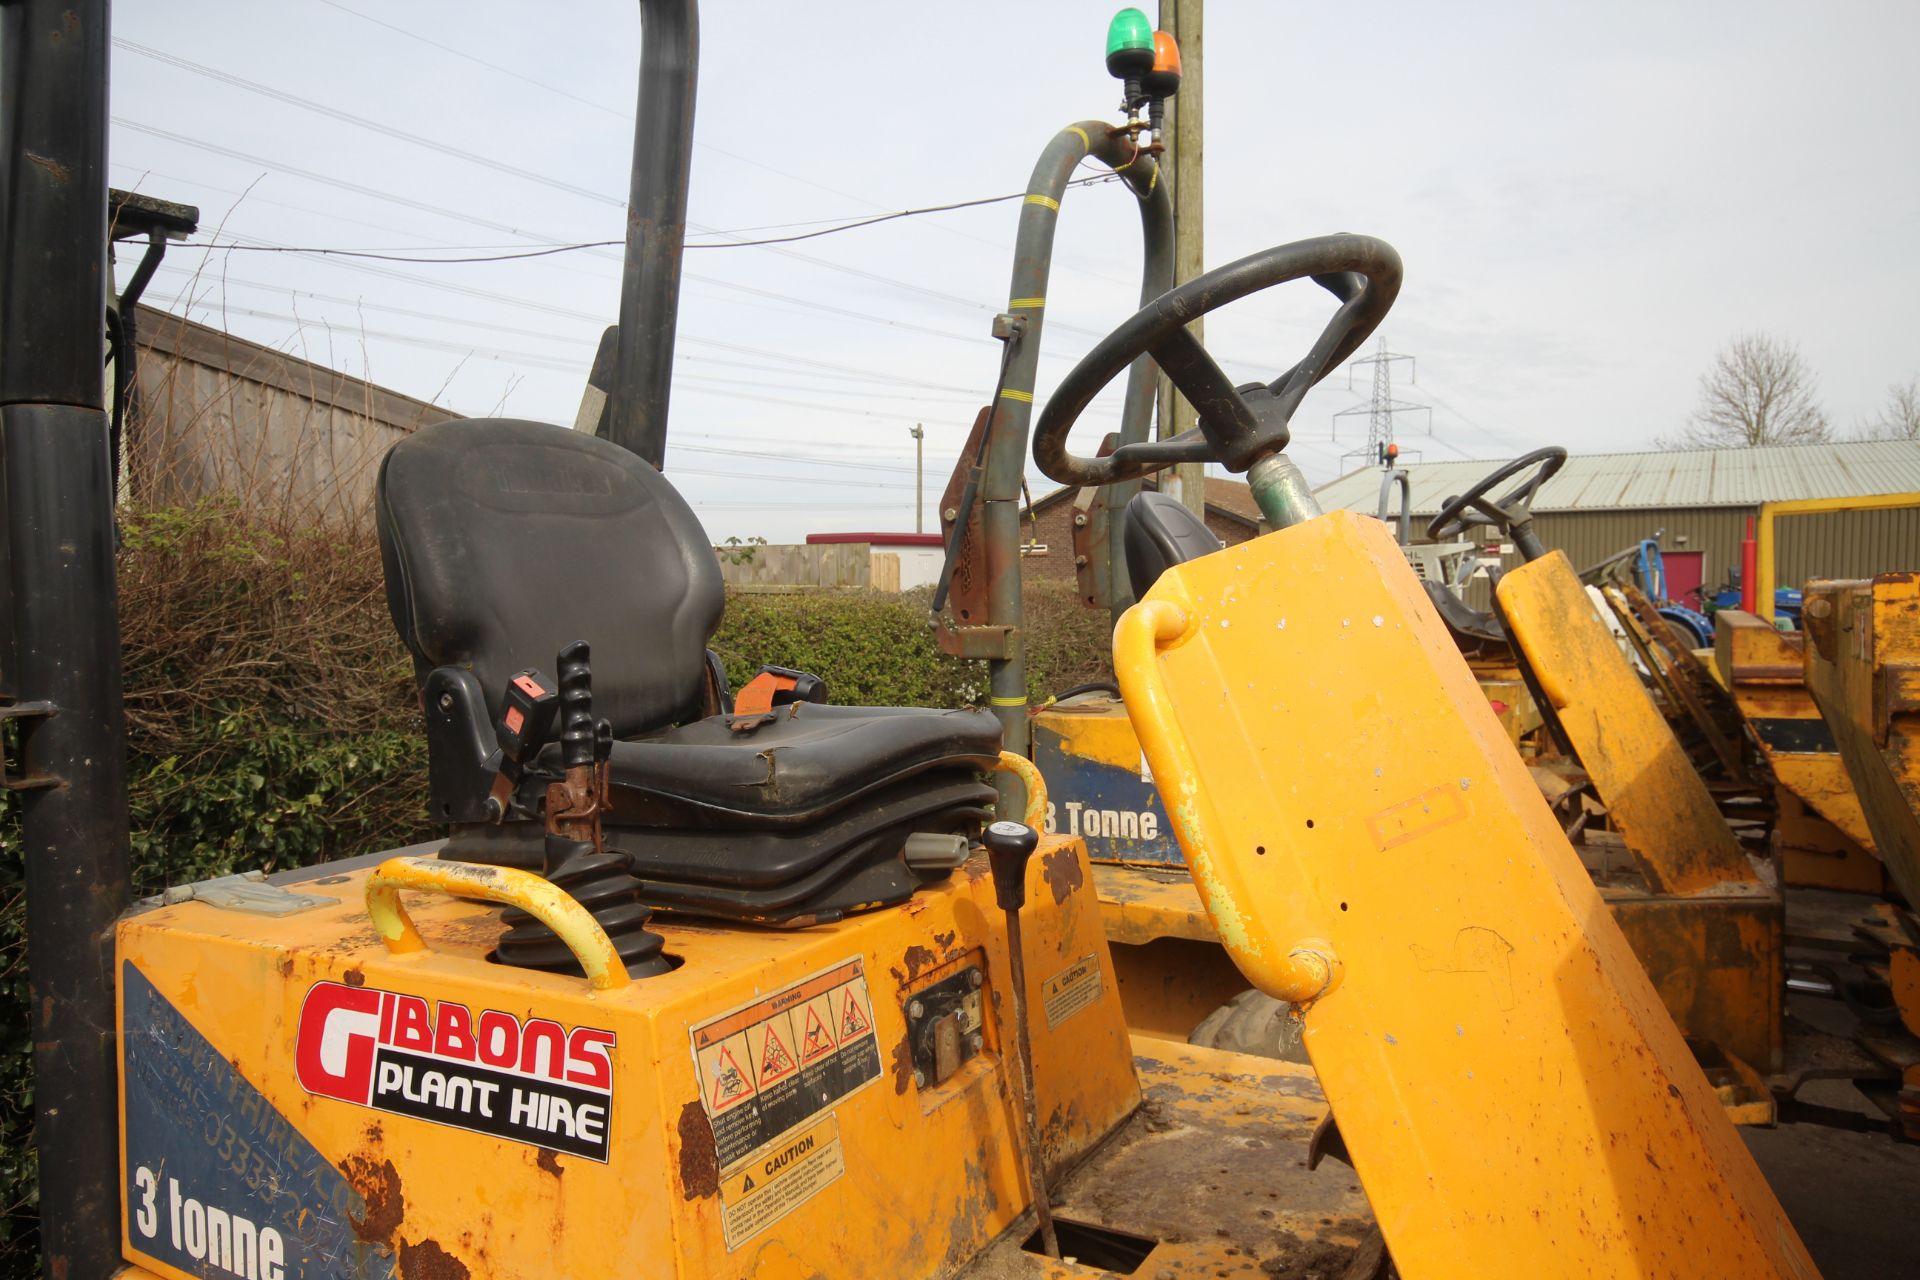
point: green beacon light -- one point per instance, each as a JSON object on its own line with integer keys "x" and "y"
{"x": 1130, "y": 52}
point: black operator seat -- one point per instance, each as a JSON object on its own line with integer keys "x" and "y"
{"x": 504, "y": 541}
{"x": 1158, "y": 532}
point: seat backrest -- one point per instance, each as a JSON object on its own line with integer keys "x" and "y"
{"x": 504, "y": 541}
{"x": 1159, "y": 532}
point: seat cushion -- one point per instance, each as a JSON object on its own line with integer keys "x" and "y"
{"x": 504, "y": 541}
{"x": 1462, "y": 618}
{"x": 947, "y": 799}
{"x": 806, "y": 763}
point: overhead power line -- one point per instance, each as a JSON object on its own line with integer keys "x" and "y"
{"x": 615, "y": 113}
{"x": 548, "y": 251}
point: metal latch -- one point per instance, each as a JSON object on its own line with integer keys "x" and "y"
{"x": 28, "y": 715}
{"x": 944, "y": 1027}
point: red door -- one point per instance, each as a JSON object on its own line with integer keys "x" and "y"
{"x": 1684, "y": 570}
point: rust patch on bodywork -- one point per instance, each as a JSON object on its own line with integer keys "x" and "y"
{"x": 60, "y": 173}
{"x": 919, "y": 958}
{"x": 428, "y": 1261}
{"x": 354, "y": 977}
{"x": 902, "y": 1066}
{"x": 379, "y": 1186}
{"x": 1061, "y": 869}
{"x": 699, "y": 1157}
{"x": 549, "y": 1162}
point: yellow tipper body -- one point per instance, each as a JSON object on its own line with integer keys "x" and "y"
{"x": 1370, "y": 847}
{"x": 1824, "y": 841}
{"x": 299, "y": 1101}
{"x": 1863, "y": 669}
{"x": 1653, "y": 795}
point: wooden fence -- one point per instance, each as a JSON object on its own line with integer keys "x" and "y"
{"x": 796, "y": 566}
{"x": 216, "y": 414}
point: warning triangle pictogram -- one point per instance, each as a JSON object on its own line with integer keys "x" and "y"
{"x": 853, "y": 1019}
{"x": 775, "y": 1062}
{"x": 748, "y": 1185}
{"x": 817, "y": 1042}
{"x": 729, "y": 1081}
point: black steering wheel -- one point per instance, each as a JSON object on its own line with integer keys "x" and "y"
{"x": 1511, "y": 512}
{"x": 1238, "y": 424}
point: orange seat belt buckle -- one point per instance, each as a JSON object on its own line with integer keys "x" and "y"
{"x": 753, "y": 705}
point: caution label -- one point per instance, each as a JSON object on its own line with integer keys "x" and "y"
{"x": 782, "y": 1062}
{"x": 766, "y": 1188}
{"x": 1071, "y": 990}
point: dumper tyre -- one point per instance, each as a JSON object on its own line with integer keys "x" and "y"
{"x": 1253, "y": 1023}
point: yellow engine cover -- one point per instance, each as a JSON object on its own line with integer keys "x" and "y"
{"x": 298, "y": 1103}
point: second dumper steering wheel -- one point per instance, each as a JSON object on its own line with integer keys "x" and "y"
{"x": 1511, "y": 512}
{"x": 1239, "y": 425}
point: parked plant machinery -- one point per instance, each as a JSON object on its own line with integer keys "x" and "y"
{"x": 1643, "y": 565}
{"x": 366, "y": 1069}
{"x": 1820, "y": 828}
{"x": 1313, "y": 732}
{"x": 1862, "y": 667}
{"x": 1447, "y": 567}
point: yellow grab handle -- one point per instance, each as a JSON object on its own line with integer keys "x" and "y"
{"x": 1308, "y": 969}
{"x": 1022, "y": 768}
{"x": 538, "y": 897}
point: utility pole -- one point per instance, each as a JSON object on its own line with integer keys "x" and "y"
{"x": 1181, "y": 164}
{"x": 919, "y": 434}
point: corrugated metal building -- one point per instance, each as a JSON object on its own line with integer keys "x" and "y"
{"x": 1699, "y": 501}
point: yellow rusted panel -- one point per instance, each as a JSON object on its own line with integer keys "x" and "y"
{"x": 1764, "y": 670}
{"x": 1816, "y": 854}
{"x": 1139, "y": 904}
{"x": 1654, "y": 797}
{"x": 1717, "y": 961}
{"x": 1863, "y": 669}
{"x": 1516, "y": 1098}
{"x": 1169, "y": 985}
{"x": 1903, "y": 969}
{"x": 1093, "y": 734}
{"x": 883, "y": 1177}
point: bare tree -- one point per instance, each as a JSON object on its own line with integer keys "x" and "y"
{"x": 1900, "y": 417}
{"x": 1758, "y": 392}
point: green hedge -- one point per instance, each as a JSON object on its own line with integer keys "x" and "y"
{"x": 272, "y": 722}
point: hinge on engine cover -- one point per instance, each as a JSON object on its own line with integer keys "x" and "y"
{"x": 27, "y": 715}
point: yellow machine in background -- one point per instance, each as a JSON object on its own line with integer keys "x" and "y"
{"x": 1863, "y": 669}
{"x": 1705, "y": 917}
{"x": 1823, "y": 834}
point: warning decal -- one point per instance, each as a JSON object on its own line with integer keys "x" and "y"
{"x": 1072, "y": 989}
{"x": 784, "y": 1061}
{"x": 778, "y": 1180}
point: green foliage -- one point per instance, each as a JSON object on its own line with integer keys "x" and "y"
{"x": 736, "y": 552}
{"x": 272, "y": 722}
{"x": 876, "y": 649}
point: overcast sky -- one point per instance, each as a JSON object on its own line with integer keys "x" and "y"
{"x": 1590, "y": 200}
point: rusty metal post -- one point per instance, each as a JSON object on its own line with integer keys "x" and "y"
{"x": 1013, "y": 412}
{"x": 64, "y": 650}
